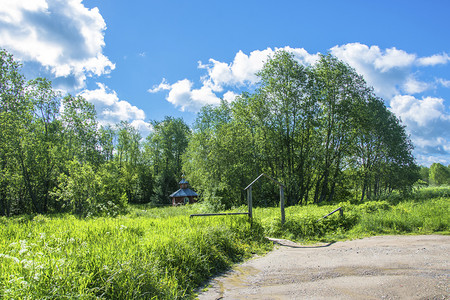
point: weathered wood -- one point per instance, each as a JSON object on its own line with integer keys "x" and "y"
{"x": 250, "y": 202}
{"x": 249, "y": 196}
{"x": 341, "y": 213}
{"x": 282, "y": 204}
{"x": 267, "y": 176}
{"x": 218, "y": 214}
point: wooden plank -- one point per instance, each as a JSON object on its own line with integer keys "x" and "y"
{"x": 282, "y": 204}
{"x": 341, "y": 213}
{"x": 218, "y": 214}
{"x": 250, "y": 202}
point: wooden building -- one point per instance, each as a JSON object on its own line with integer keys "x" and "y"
{"x": 184, "y": 195}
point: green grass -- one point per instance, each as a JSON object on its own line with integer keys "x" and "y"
{"x": 151, "y": 253}
{"x": 160, "y": 253}
{"x": 425, "y": 211}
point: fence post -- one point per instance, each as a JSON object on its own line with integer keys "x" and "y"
{"x": 249, "y": 198}
{"x": 282, "y": 203}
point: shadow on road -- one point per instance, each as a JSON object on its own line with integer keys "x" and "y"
{"x": 291, "y": 244}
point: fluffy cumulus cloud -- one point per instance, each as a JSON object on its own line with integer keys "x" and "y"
{"x": 64, "y": 37}
{"x": 111, "y": 110}
{"x": 428, "y": 121}
{"x": 437, "y": 59}
{"x": 388, "y": 71}
{"x": 223, "y": 79}
{"x": 182, "y": 94}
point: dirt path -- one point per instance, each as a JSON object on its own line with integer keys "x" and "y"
{"x": 385, "y": 267}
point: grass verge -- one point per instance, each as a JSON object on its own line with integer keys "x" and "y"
{"x": 150, "y": 254}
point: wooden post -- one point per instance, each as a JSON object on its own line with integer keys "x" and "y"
{"x": 250, "y": 204}
{"x": 282, "y": 203}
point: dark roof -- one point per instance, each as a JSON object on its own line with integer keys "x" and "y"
{"x": 183, "y": 181}
{"x": 184, "y": 193}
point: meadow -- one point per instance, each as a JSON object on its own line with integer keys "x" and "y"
{"x": 154, "y": 253}
{"x": 161, "y": 253}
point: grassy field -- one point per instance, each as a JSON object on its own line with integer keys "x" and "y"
{"x": 425, "y": 211}
{"x": 154, "y": 253}
{"x": 161, "y": 253}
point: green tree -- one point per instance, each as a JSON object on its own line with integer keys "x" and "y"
{"x": 14, "y": 113}
{"x": 87, "y": 192}
{"x": 286, "y": 117}
{"x": 164, "y": 148}
{"x": 43, "y": 143}
{"x": 134, "y": 169}
{"x": 80, "y": 130}
{"x": 424, "y": 173}
{"x": 320, "y": 130}
{"x": 439, "y": 174}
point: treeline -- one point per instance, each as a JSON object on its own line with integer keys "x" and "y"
{"x": 320, "y": 130}
{"x": 436, "y": 174}
{"x": 54, "y": 156}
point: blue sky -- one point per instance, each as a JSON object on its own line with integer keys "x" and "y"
{"x": 142, "y": 60}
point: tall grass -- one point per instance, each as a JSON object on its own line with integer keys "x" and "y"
{"x": 160, "y": 253}
{"x": 423, "y": 212}
{"x": 165, "y": 256}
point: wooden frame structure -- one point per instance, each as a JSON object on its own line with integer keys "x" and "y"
{"x": 250, "y": 200}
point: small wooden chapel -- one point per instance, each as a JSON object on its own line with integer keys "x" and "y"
{"x": 184, "y": 195}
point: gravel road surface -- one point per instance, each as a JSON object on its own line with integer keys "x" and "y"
{"x": 383, "y": 267}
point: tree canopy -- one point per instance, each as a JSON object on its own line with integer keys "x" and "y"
{"x": 320, "y": 130}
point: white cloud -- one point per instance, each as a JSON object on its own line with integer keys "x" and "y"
{"x": 421, "y": 112}
{"x": 143, "y": 127}
{"x": 64, "y": 37}
{"x": 163, "y": 86}
{"x": 386, "y": 70}
{"x": 428, "y": 122}
{"x": 444, "y": 82}
{"x": 230, "y": 96}
{"x": 414, "y": 86}
{"x": 221, "y": 76}
{"x": 437, "y": 59}
{"x": 111, "y": 110}
{"x": 242, "y": 71}
{"x": 238, "y": 73}
{"x": 393, "y": 58}
{"x": 182, "y": 95}
{"x": 428, "y": 160}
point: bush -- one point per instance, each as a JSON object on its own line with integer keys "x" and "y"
{"x": 89, "y": 193}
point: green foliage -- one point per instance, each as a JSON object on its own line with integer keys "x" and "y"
{"x": 164, "y": 148}
{"x": 319, "y": 130}
{"x": 407, "y": 217}
{"x": 439, "y": 174}
{"x": 424, "y": 174}
{"x": 54, "y": 157}
{"x": 86, "y": 192}
{"x": 162, "y": 253}
{"x": 165, "y": 256}
{"x": 423, "y": 212}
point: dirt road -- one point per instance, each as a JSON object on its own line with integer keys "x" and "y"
{"x": 386, "y": 267}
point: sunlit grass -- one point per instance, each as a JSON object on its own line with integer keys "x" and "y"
{"x": 165, "y": 256}
{"x": 161, "y": 253}
{"x": 425, "y": 211}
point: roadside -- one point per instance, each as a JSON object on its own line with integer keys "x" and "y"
{"x": 382, "y": 267}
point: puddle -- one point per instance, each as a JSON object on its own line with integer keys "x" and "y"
{"x": 238, "y": 278}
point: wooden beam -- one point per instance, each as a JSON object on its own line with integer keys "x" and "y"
{"x": 218, "y": 214}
